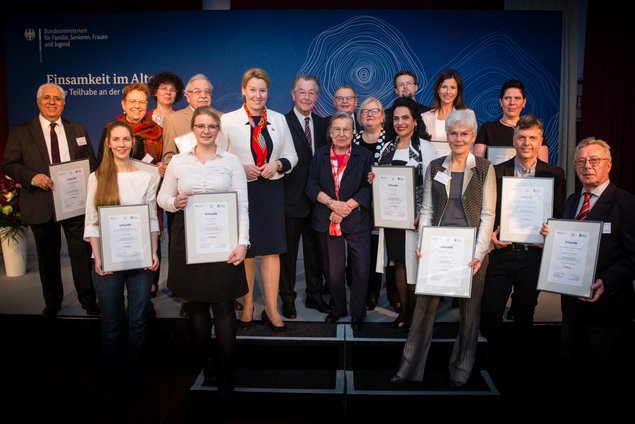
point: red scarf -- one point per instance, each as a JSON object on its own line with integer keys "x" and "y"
{"x": 258, "y": 144}
{"x": 335, "y": 230}
{"x": 150, "y": 132}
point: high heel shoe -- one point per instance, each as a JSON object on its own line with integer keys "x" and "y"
{"x": 247, "y": 324}
{"x": 276, "y": 329}
{"x": 398, "y": 323}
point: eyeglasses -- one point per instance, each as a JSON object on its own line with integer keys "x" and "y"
{"x": 303, "y": 93}
{"x": 344, "y": 131}
{"x": 371, "y": 112}
{"x": 203, "y": 127}
{"x": 594, "y": 162}
{"x": 137, "y": 102}
{"x": 341, "y": 99}
{"x": 200, "y": 93}
{"x": 405, "y": 84}
{"x": 455, "y": 134}
{"x": 56, "y": 99}
{"x": 167, "y": 89}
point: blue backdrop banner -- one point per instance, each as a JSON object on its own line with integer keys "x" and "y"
{"x": 93, "y": 56}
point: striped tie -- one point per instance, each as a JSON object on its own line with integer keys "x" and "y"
{"x": 307, "y": 132}
{"x": 584, "y": 210}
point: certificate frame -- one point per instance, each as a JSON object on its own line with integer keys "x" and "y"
{"x": 500, "y": 154}
{"x": 148, "y": 167}
{"x": 452, "y": 282}
{"x": 132, "y": 250}
{"x": 442, "y": 148}
{"x": 399, "y": 212}
{"x": 223, "y": 231}
{"x": 60, "y": 173}
{"x": 511, "y": 218}
{"x": 556, "y": 266}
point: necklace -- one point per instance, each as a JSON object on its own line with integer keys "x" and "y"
{"x": 507, "y": 124}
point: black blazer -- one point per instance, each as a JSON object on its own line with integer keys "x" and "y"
{"x": 354, "y": 184}
{"x": 616, "y": 260}
{"x": 26, "y": 155}
{"x": 543, "y": 170}
{"x": 297, "y": 204}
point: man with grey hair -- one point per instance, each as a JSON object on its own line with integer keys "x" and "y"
{"x": 31, "y": 148}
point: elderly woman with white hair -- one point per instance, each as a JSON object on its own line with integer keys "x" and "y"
{"x": 465, "y": 196}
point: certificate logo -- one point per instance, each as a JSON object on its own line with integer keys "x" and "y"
{"x": 29, "y": 34}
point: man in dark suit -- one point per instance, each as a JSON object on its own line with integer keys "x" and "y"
{"x": 596, "y": 332}
{"x": 516, "y": 265}
{"x": 309, "y": 133}
{"x": 31, "y": 148}
{"x": 406, "y": 85}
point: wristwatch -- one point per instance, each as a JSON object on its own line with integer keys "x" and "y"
{"x": 328, "y": 202}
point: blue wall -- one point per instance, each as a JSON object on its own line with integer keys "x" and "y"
{"x": 363, "y": 50}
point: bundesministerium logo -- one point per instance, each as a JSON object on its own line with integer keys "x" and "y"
{"x": 29, "y": 34}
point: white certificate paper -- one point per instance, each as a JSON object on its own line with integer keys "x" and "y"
{"x": 124, "y": 237}
{"x": 445, "y": 255}
{"x": 211, "y": 227}
{"x": 185, "y": 142}
{"x": 394, "y": 196}
{"x": 210, "y": 219}
{"x": 70, "y": 180}
{"x": 525, "y": 204}
{"x": 500, "y": 154}
{"x": 569, "y": 257}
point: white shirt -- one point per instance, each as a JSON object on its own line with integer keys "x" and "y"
{"x": 135, "y": 188}
{"x": 65, "y": 155}
{"x": 222, "y": 173}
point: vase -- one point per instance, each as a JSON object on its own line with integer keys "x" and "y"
{"x": 14, "y": 253}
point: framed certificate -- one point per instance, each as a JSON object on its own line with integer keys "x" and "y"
{"x": 124, "y": 235}
{"x": 148, "y": 167}
{"x": 526, "y": 203}
{"x": 394, "y": 196}
{"x": 442, "y": 147}
{"x": 70, "y": 180}
{"x": 443, "y": 267}
{"x": 569, "y": 257}
{"x": 211, "y": 227}
{"x": 499, "y": 154}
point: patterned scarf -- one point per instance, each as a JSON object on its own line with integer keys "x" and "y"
{"x": 258, "y": 144}
{"x": 335, "y": 230}
{"x": 150, "y": 132}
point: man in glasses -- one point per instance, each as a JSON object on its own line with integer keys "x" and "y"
{"x": 345, "y": 100}
{"x": 31, "y": 148}
{"x": 406, "y": 85}
{"x": 596, "y": 338}
{"x": 308, "y": 131}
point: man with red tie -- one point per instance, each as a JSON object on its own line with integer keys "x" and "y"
{"x": 596, "y": 332}
{"x": 33, "y": 146}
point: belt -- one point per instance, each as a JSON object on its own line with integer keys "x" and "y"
{"x": 522, "y": 247}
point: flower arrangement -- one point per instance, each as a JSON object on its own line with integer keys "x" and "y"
{"x": 10, "y": 217}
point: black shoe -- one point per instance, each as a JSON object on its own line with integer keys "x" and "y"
{"x": 152, "y": 311}
{"x": 331, "y": 318}
{"x": 247, "y": 324}
{"x": 371, "y": 303}
{"x": 318, "y": 305}
{"x": 288, "y": 311}
{"x": 92, "y": 309}
{"x": 395, "y": 379}
{"x": 154, "y": 290}
{"x": 184, "y": 312}
{"x": 357, "y": 324}
{"x": 50, "y": 312}
{"x": 398, "y": 323}
{"x": 276, "y": 329}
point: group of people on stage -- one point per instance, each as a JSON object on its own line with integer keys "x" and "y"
{"x": 303, "y": 176}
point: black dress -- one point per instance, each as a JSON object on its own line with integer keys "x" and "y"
{"x": 205, "y": 283}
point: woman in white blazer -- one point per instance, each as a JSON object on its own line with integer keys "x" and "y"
{"x": 261, "y": 139}
{"x": 448, "y": 97}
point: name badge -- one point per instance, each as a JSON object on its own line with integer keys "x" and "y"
{"x": 442, "y": 178}
{"x": 606, "y": 228}
{"x": 81, "y": 141}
